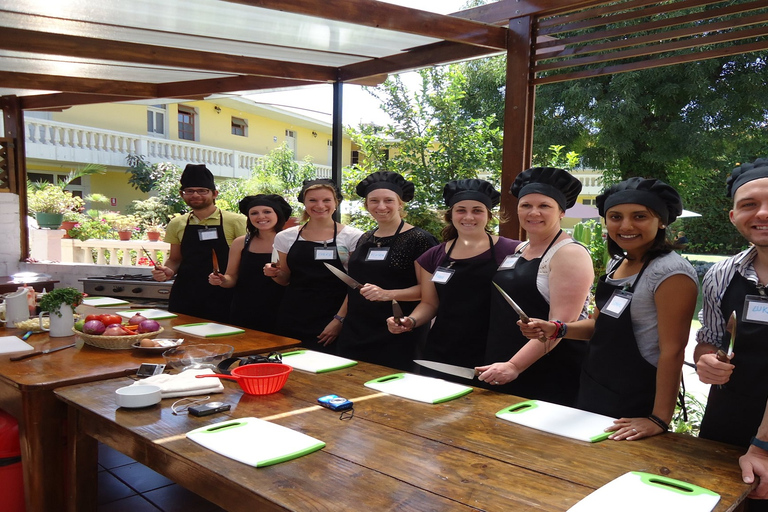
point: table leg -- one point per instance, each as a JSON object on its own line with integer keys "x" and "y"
{"x": 82, "y": 470}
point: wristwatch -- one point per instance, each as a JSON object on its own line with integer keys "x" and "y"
{"x": 760, "y": 444}
{"x": 339, "y": 318}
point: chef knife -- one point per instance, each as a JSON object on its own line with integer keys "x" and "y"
{"x": 523, "y": 317}
{"x": 397, "y": 312}
{"x": 40, "y": 352}
{"x": 215, "y": 262}
{"x": 344, "y": 277}
{"x": 459, "y": 371}
{"x": 722, "y": 356}
{"x": 149, "y": 257}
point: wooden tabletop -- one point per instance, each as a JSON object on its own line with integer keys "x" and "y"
{"x": 393, "y": 454}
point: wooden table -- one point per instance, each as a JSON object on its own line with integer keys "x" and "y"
{"x": 395, "y": 454}
{"x": 26, "y": 392}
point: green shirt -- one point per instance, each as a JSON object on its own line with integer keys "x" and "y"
{"x": 234, "y": 225}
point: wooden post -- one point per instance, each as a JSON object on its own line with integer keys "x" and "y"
{"x": 13, "y": 129}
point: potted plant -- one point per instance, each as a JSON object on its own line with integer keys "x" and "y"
{"x": 125, "y": 225}
{"x": 58, "y": 297}
{"x": 50, "y": 201}
{"x": 154, "y": 232}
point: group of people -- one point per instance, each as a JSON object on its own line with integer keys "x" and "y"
{"x": 623, "y": 360}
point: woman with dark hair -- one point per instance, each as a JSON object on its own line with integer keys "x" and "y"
{"x": 256, "y": 297}
{"x": 385, "y": 261}
{"x": 456, "y": 278}
{"x": 549, "y": 277}
{"x": 644, "y": 305}
{"x": 312, "y": 307}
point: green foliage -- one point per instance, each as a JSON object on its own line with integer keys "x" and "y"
{"x": 52, "y": 199}
{"x": 162, "y": 177}
{"x": 93, "y": 225}
{"x": 688, "y": 421}
{"x": 150, "y": 212}
{"x": 53, "y": 300}
{"x": 590, "y": 234}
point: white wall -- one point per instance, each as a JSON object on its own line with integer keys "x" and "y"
{"x": 10, "y": 237}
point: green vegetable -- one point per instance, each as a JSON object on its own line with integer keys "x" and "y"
{"x": 53, "y": 300}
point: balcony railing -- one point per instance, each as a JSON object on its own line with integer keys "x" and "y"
{"x": 62, "y": 142}
{"x": 115, "y": 253}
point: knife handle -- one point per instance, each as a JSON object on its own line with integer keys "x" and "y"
{"x": 24, "y": 356}
{"x": 722, "y": 357}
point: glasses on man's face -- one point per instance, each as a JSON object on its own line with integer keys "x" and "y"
{"x": 195, "y": 191}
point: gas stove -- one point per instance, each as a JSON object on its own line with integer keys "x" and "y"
{"x": 139, "y": 288}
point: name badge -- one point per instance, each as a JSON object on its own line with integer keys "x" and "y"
{"x": 442, "y": 275}
{"x": 755, "y": 309}
{"x": 617, "y": 303}
{"x": 509, "y": 262}
{"x": 208, "y": 234}
{"x": 325, "y": 253}
{"x": 377, "y": 254}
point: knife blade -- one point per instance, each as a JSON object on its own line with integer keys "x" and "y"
{"x": 344, "y": 277}
{"x": 397, "y": 312}
{"x": 215, "y": 262}
{"x": 523, "y": 317}
{"x": 40, "y": 352}
{"x": 459, "y": 371}
{"x": 722, "y": 356}
{"x": 149, "y": 257}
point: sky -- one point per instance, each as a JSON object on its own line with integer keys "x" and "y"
{"x": 358, "y": 106}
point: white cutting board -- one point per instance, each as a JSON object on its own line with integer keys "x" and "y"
{"x": 255, "y": 442}
{"x": 643, "y": 492}
{"x": 103, "y": 302}
{"x": 208, "y": 329}
{"x": 316, "y": 362}
{"x": 10, "y": 344}
{"x": 417, "y": 387}
{"x": 558, "y": 419}
{"x": 149, "y": 314}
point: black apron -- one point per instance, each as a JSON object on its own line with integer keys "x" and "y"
{"x": 459, "y": 333}
{"x": 364, "y": 335}
{"x": 313, "y": 296}
{"x": 257, "y": 297}
{"x": 191, "y": 294}
{"x": 616, "y": 380}
{"x": 555, "y": 376}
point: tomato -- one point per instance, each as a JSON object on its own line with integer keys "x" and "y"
{"x": 109, "y": 319}
{"x": 93, "y": 317}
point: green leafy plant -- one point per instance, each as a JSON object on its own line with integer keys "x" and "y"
{"x": 53, "y": 199}
{"x": 590, "y": 234}
{"x": 687, "y": 420}
{"x": 124, "y": 222}
{"x": 53, "y": 300}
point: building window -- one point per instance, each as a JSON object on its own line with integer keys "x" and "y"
{"x": 355, "y": 159}
{"x": 76, "y": 186}
{"x": 588, "y": 202}
{"x": 156, "y": 120}
{"x": 239, "y": 127}
{"x": 186, "y": 123}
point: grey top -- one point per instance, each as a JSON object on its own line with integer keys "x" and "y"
{"x": 643, "y": 307}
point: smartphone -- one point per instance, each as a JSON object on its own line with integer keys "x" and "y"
{"x": 209, "y": 408}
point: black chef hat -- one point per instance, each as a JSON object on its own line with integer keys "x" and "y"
{"x": 321, "y": 181}
{"x": 197, "y": 175}
{"x": 746, "y": 173}
{"x": 274, "y": 201}
{"x": 388, "y": 180}
{"x": 653, "y": 193}
{"x": 556, "y": 183}
{"x": 475, "y": 190}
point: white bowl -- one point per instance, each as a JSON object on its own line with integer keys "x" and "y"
{"x": 138, "y": 396}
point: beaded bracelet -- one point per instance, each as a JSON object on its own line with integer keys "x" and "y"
{"x": 560, "y": 330}
{"x": 658, "y": 421}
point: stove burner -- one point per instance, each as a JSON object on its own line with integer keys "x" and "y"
{"x": 125, "y": 277}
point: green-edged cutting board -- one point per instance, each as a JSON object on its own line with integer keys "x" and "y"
{"x": 558, "y": 419}
{"x": 208, "y": 329}
{"x": 416, "y": 387}
{"x": 255, "y": 442}
{"x": 149, "y": 314}
{"x": 316, "y": 362}
{"x": 643, "y": 492}
{"x": 104, "y": 302}
{"x": 10, "y": 344}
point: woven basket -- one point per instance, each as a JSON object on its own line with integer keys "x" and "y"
{"x": 114, "y": 342}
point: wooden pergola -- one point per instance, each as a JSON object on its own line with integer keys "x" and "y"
{"x": 55, "y": 57}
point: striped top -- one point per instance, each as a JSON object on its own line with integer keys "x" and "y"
{"x": 713, "y": 287}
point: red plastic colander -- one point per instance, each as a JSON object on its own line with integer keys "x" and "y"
{"x": 258, "y": 379}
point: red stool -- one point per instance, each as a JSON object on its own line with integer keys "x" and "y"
{"x": 11, "y": 479}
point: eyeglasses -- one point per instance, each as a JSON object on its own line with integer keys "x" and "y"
{"x": 198, "y": 191}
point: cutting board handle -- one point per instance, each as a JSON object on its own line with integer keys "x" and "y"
{"x": 670, "y": 484}
{"x": 519, "y": 408}
{"x": 227, "y": 425}
{"x": 387, "y": 378}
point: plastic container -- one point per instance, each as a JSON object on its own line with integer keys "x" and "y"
{"x": 259, "y": 378}
{"x": 11, "y": 479}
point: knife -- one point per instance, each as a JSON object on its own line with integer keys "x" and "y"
{"x": 459, "y": 371}
{"x": 149, "y": 257}
{"x": 40, "y": 352}
{"x": 215, "y": 262}
{"x": 344, "y": 277}
{"x": 523, "y": 317}
{"x": 397, "y": 312}
{"x": 722, "y": 356}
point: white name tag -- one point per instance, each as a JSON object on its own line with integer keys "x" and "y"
{"x": 756, "y": 309}
{"x": 209, "y": 234}
{"x": 509, "y": 262}
{"x": 377, "y": 254}
{"x": 325, "y": 253}
{"x": 442, "y": 275}
{"x": 617, "y": 303}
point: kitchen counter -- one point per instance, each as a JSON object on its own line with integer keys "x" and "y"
{"x": 7, "y": 285}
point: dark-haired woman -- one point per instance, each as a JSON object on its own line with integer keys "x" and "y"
{"x": 645, "y": 303}
{"x": 256, "y": 297}
{"x": 385, "y": 261}
{"x": 456, "y": 278}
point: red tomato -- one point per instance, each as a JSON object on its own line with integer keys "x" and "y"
{"x": 93, "y": 317}
{"x": 109, "y": 319}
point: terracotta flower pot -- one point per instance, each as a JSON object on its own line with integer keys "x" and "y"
{"x": 66, "y": 226}
{"x": 153, "y": 236}
{"x": 125, "y": 235}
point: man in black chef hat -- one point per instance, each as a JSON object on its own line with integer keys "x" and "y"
{"x": 736, "y": 409}
{"x": 200, "y": 243}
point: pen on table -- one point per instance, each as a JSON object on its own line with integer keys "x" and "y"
{"x": 26, "y": 335}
